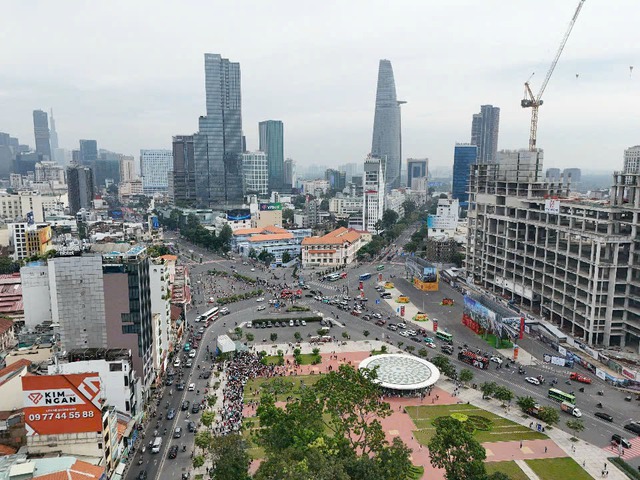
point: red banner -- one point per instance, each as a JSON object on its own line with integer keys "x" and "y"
{"x": 521, "y": 336}
{"x": 402, "y": 311}
{"x": 435, "y": 325}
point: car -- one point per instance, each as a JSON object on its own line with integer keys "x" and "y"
{"x": 297, "y": 323}
{"x": 402, "y": 325}
{"x": 604, "y": 416}
{"x": 253, "y": 269}
{"x": 291, "y": 323}
{"x": 245, "y": 263}
{"x": 205, "y": 374}
{"x": 260, "y": 299}
{"x": 376, "y": 315}
{"x": 192, "y": 427}
{"x": 192, "y": 354}
{"x": 142, "y": 475}
{"x": 413, "y": 333}
{"x": 448, "y": 349}
{"x": 404, "y": 333}
{"x": 177, "y": 433}
{"x": 192, "y": 387}
{"x": 173, "y": 452}
{"x": 224, "y": 311}
{"x": 532, "y": 380}
{"x": 171, "y": 414}
{"x": 180, "y": 386}
{"x": 620, "y": 440}
{"x": 633, "y": 427}
{"x": 416, "y": 339}
{"x": 188, "y": 364}
{"x": 269, "y": 324}
{"x": 249, "y": 324}
{"x": 195, "y": 408}
{"x": 380, "y": 323}
{"x": 261, "y": 307}
{"x": 169, "y": 382}
{"x": 498, "y": 360}
{"x": 366, "y": 318}
{"x": 185, "y": 405}
{"x": 303, "y": 323}
{"x": 201, "y": 330}
{"x": 392, "y": 327}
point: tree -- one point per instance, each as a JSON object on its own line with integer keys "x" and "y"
{"x": 487, "y": 389}
{"x": 208, "y": 418}
{"x": 423, "y": 352}
{"x": 454, "y": 449}
{"x": 203, "y": 440}
{"x": 444, "y": 365}
{"x": 366, "y": 333}
{"x": 266, "y": 257}
{"x": 575, "y": 425}
{"x": 389, "y": 218}
{"x": 273, "y": 336}
{"x": 252, "y": 253}
{"x": 503, "y": 394}
{"x": 549, "y": 415}
{"x": 286, "y": 257}
{"x": 324, "y": 205}
{"x": 7, "y": 265}
{"x": 287, "y": 216}
{"x": 198, "y": 461}
{"x": 297, "y": 336}
{"x": 409, "y": 207}
{"x": 410, "y": 348}
{"x": 230, "y": 458}
{"x": 526, "y": 403}
{"x": 249, "y": 337}
{"x": 225, "y": 237}
{"x": 466, "y": 375}
{"x": 498, "y": 476}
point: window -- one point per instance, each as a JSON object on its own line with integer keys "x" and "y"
{"x": 115, "y": 367}
{"x": 126, "y": 380}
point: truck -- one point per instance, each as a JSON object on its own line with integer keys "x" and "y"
{"x": 534, "y": 411}
{"x": 579, "y": 378}
{"x": 570, "y": 409}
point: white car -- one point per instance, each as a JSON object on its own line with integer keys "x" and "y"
{"x": 402, "y": 325}
{"x": 261, "y": 299}
{"x": 533, "y": 380}
{"x": 192, "y": 387}
{"x": 304, "y": 323}
{"x": 192, "y": 354}
{"x": 497, "y": 360}
{"x": 412, "y": 332}
{"x": 245, "y": 263}
{"x": 261, "y": 307}
{"x": 249, "y": 325}
{"x": 377, "y": 315}
{"x": 404, "y": 333}
{"x": 253, "y": 269}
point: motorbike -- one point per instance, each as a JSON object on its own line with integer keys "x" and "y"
{"x": 599, "y": 405}
{"x": 140, "y": 461}
{"x": 184, "y": 448}
{"x": 581, "y": 389}
{"x": 601, "y": 393}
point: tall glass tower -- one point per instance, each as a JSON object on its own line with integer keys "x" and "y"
{"x": 387, "y": 135}
{"x": 484, "y": 133}
{"x": 271, "y": 134}
{"x": 464, "y": 156}
{"x": 218, "y": 143}
{"x": 41, "y": 133}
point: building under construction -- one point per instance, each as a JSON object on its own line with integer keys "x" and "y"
{"x": 573, "y": 262}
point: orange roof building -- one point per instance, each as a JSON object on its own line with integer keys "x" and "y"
{"x": 337, "y": 248}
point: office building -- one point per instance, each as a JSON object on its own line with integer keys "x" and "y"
{"x": 218, "y": 143}
{"x": 160, "y": 286}
{"x": 632, "y": 160}
{"x": 53, "y": 142}
{"x": 106, "y": 170}
{"x": 345, "y": 205}
{"x": 271, "y": 134}
{"x": 445, "y": 220}
{"x": 394, "y": 200}
{"x": 127, "y": 168}
{"x": 41, "y": 133}
{"x": 181, "y": 180}
{"x": 387, "y": 135}
{"x": 255, "y": 167}
{"x": 154, "y": 169}
{"x": 81, "y": 188}
{"x": 337, "y": 179}
{"x": 289, "y": 174}
{"x": 88, "y": 153}
{"x": 416, "y": 168}
{"x": 28, "y": 239}
{"x": 521, "y": 165}
{"x": 553, "y": 174}
{"x": 484, "y": 133}
{"x": 464, "y": 155}
{"x": 572, "y": 262}
{"x": 572, "y": 175}
{"x": 373, "y": 187}
{"x": 22, "y": 206}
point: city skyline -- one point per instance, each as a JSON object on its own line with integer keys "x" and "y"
{"x": 332, "y": 92}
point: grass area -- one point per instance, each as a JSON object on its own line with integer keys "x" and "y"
{"x": 252, "y": 425}
{"x": 379, "y": 352}
{"x": 308, "y": 359}
{"x": 272, "y": 359}
{"x": 280, "y": 387}
{"x": 627, "y": 469}
{"x": 555, "y": 468}
{"x": 491, "y": 339}
{"x": 501, "y": 429}
{"x": 416, "y": 473}
{"x": 510, "y": 468}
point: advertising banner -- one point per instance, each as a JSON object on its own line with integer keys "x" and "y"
{"x": 601, "y": 374}
{"x": 516, "y": 349}
{"x": 61, "y": 404}
{"x": 270, "y": 206}
{"x": 557, "y": 361}
{"x": 552, "y": 206}
{"x": 562, "y": 351}
{"x": 521, "y": 336}
{"x": 402, "y": 311}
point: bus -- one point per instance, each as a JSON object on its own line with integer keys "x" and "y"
{"x": 364, "y": 276}
{"x": 473, "y": 359}
{"x": 334, "y": 277}
{"x": 442, "y": 335}
{"x": 209, "y": 316}
{"x": 560, "y": 396}
{"x": 379, "y": 268}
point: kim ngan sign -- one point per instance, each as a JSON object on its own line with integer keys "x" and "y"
{"x": 57, "y": 404}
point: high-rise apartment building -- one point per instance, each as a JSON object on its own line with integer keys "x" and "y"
{"x": 218, "y": 143}
{"x": 373, "y": 187}
{"x": 271, "y": 134}
{"x": 181, "y": 180}
{"x": 53, "y": 141}
{"x": 289, "y": 173}
{"x": 81, "y": 187}
{"x": 154, "y": 168}
{"x": 573, "y": 262}
{"x": 127, "y": 168}
{"x": 572, "y": 175}
{"x": 464, "y": 155}
{"x": 337, "y": 179}
{"x": 88, "y": 152}
{"x": 632, "y": 160}
{"x": 416, "y": 168}
{"x": 553, "y": 174}
{"x": 484, "y": 133}
{"x": 387, "y": 135}
{"x": 255, "y": 166}
{"x": 41, "y": 133}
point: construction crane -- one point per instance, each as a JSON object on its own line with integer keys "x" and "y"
{"x": 534, "y": 102}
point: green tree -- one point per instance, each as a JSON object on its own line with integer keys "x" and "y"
{"x": 208, "y": 418}
{"x": 230, "y": 458}
{"x": 225, "y": 237}
{"x": 423, "y": 352}
{"x": 286, "y": 257}
{"x": 549, "y": 415}
{"x": 324, "y": 205}
{"x": 249, "y": 336}
{"x": 575, "y": 425}
{"x": 409, "y": 207}
{"x": 366, "y": 333}
{"x": 273, "y": 336}
{"x": 252, "y": 253}
{"x": 526, "y": 403}
{"x": 198, "y": 461}
{"x": 466, "y": 375}
{"x": 389, "y": 218}
{"x": 488, "y": 389}
{"x": 410, "y": 348}
{"x": 498, "y": 476}
{"x": 158, "y": 250}
{"x": 297, "y": 336}
{"x": 8, "y": 266}
{"x": 203, "y": 440}
{"x": 287, "y": 216}
{"x": 503, "y": 394}
{"x": 454, "y": 449}
{"x": 266, "y": 257}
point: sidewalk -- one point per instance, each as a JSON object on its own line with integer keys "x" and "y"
{"x": 592, "y": 457}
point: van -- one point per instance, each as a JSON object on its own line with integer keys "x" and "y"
{"x": 157, "y": 445}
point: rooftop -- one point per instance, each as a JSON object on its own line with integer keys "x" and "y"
{"x": 12, "y": 370}
{"x": 337, "y": 237}
{"x": 402, "y": 372}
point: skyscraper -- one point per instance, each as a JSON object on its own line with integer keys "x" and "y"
{"x": 416, "y": 168}
{"x": 464, "y": 155}
{"x": 373, "y": 186}
{"x": 387, "y": 135}
{"x": 80, "y": 185}
{"x": 255, "y": 166}
{"x": 272, "y": 143}
{"x": 484, "y": 133}
{"x": 181, "y": 181}
{"x": 632, "y": 160}
{"x": 289, "y": 173}
{"x": 88, "y": 152}
{"x": 218, "y": 143}
{"x": 154, "y": 168}
{"x": 337, "y": 179}
{"x": 41, "y": 133}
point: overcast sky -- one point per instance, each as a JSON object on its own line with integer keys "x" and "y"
{"x": 131, "y": 73}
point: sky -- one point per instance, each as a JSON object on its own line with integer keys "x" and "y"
{"x": 130, "y": 74}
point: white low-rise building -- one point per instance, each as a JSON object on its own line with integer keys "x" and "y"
{"x": 345, "y": 205}
{"x": 445, "y": 221}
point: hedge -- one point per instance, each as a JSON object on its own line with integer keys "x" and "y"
{"x": 239, "y": 297}
{"x": 628, "y": 470}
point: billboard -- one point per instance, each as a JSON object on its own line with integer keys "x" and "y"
{"x": 552, "y": 206}
{"x": 270, "y": 206}
{"x": 239, "y": 214}
{"x": 59, "y": 404}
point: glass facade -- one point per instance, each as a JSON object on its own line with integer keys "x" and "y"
{"x": 271, "y": 134}
{"x": 41, "y": 133}
{"x": 464, "y": 156}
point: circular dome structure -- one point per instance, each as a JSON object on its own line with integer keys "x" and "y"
{"x": 402, "y": 372}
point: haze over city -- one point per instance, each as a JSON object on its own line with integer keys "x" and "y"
{"x": 131, "y": 74}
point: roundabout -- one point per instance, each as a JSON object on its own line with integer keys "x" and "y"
{"x": 402, "y": 372}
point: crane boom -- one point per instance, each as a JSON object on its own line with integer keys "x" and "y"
{"x": 534, "y": 102}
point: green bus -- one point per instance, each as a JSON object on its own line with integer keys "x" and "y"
{"x": 379, "y": 268}
{"x": 560, "y": 396}
{"x": 442, "y": 335}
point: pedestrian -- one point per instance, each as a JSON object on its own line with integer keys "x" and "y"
{"x": 545, "y": 449}
{"x": 520, "y": 443}
{"x": 584, "y": 463}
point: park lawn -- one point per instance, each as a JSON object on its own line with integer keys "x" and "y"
{"x": 416, "y": 473}
{"x": 281, "y": 387}
{"x": 272, "y": 359}
{"x": 501, "y": 429}
{"x": 555, "y": 468}
{"x": 308, "y": 358}
{"x": 510, "y": 468}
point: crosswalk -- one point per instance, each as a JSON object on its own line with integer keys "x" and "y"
{"x": 325, "y": 286}
{"x": 632, "y": 452}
